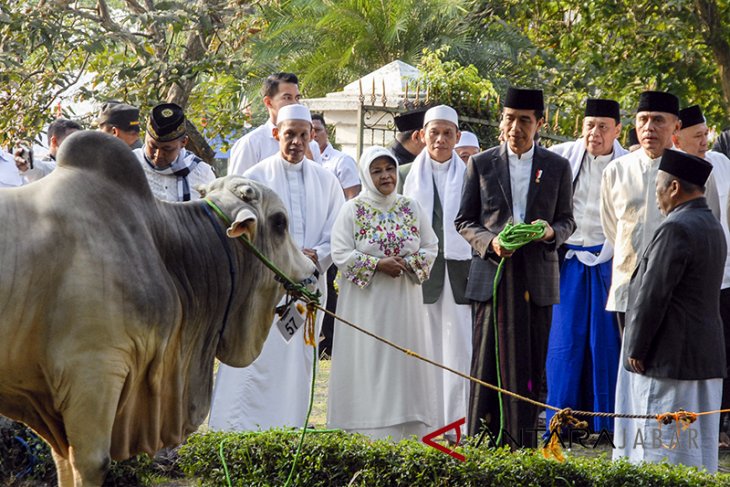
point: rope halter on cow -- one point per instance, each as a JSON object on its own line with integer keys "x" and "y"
{"x": 296, "y": 290}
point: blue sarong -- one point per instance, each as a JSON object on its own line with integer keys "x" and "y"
{"x": 584, "y": 345}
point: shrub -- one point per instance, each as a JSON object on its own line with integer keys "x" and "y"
{"x": 26, "y": 460}
{"x": 340, "y": 459}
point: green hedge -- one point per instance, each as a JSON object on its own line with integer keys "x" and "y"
{"x": 25, "y": 460}
{"x": 264, "y": 459}
{"x": 335, "y": 459}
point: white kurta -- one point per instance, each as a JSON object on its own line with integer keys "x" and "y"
{"x": 274, "y": 390}
{"x": 642, "y": 440}
{"x": 373, "y": 386}
{"x": 449, "y": 323}
{"x": 41, "y": 168}
{"x": 629, "y": 216}
{"x": 165, "y": 186}
{"x": 519, "y": 171}
{"x": 9, "y": 175}
{"x": 721, "y": 173}
{"x": 341, "y": 165}
{"x": 256, "y": 146}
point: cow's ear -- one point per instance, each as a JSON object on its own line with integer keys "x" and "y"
{"x": 202, "y": 189}
{"x": 244, "y": 224}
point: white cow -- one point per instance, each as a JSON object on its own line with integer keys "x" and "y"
{"x": 113, "y": 304}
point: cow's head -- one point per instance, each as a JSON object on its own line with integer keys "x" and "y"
{"x": 258, "y": 214}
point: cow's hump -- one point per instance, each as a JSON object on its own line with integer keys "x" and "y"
{"x": 101, "y": 155}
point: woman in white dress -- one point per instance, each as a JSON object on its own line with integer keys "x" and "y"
{"x": 384, "y": 249}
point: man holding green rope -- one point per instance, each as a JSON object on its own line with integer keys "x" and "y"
{"x": 522, "y": 183}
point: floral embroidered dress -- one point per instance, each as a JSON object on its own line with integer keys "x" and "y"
{"x": 372, "y": 385}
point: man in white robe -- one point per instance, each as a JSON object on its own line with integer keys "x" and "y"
{"x": 673, "y": 353}
{"x": 435, "y": 179}
{"x": 274, "y": 390}
{"x": 629, "y": 214}
{"x": 279, "y": 90}
{"x": 172, "y": 172}
{"x": 345, "y": 169}
{"x": 584, "y": 344}
{"x": 9, "y": 174}
{"x": 467, "y": 146}
{"x": 339, "y": 163}
{"x": 692, "y": 139}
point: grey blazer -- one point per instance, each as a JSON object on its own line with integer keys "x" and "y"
{"x": 486, "y": 207}
{"x": 673, "y": 317}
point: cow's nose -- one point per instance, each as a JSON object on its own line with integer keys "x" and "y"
{"x": 311, "y": 281}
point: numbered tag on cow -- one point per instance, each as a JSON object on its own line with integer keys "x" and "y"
{"x": 292, "y": 319}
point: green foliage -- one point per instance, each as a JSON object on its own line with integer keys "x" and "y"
{"x": 333, "y": 42}
{"x": 462, "y": 88}
{"x": 458, "y": 86}
{"x": 193, "y": 53}
{"x": 613, "y": 49}
{"x": 25, "y": 459}
{"x": 338, "y": 459}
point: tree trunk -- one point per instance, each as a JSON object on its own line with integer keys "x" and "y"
{"x": 196, "y": 49}
{"x": 715, "y": 37}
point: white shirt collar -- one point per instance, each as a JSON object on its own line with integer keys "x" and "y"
{"x": 439, "y": 166}
{"x": 524, "y": 157}
{"x": 288, "y": 166}
{"x": 269, "y": 129}
{"x": 600, "y": 159}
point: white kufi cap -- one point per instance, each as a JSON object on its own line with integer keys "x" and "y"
{"x": 293, "y": 112}
{"x": 441, "y": 112}
{"x": 468, "y": 139}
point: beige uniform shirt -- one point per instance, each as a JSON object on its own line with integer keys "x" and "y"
{"x": 629, "y": 216}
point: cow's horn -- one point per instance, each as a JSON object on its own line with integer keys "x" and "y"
{"x": 244, "y": 224}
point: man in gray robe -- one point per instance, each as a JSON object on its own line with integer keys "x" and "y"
{"x": 673, "y": 353}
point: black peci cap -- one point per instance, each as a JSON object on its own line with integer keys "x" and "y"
{"x": 658, "y": 101}
{"x": 524, "y": 99}
{"x": 597, "y": 107}
{"x": 124, "y": 117}
{"x": 685, "y": 166}
{"x": 166, "y": 123}
{"x": 691, "y": 116}
{"x": 412, "y": 120}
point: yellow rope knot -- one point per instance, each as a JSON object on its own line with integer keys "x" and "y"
{"x": 683, "y": 419}
{"x": 309, "y": 337}
{"x": 562, "y": 419}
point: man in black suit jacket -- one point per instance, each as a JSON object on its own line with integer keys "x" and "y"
{"x": 517, "y": 181}
{"x": 674, "y": 349}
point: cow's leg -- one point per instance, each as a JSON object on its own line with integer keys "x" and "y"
{"x": 64, "y": 471}
{"x": 89, "y": 418}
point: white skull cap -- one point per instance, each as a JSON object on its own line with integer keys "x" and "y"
{"x": 468, "y": 139}
{"x": 441, "y": 112}
{"x": 293, "y": 112}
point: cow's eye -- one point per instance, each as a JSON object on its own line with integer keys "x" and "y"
{"x": 279, "y": 223}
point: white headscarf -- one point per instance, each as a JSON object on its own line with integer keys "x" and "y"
{"x": 370, "y": 193}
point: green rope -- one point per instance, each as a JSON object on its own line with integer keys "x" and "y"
{"x": 306, "y": 421}
{"x": 223, "y": 461}
{"x": 296, "y": 289}
{"x": 512, "y": 237}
